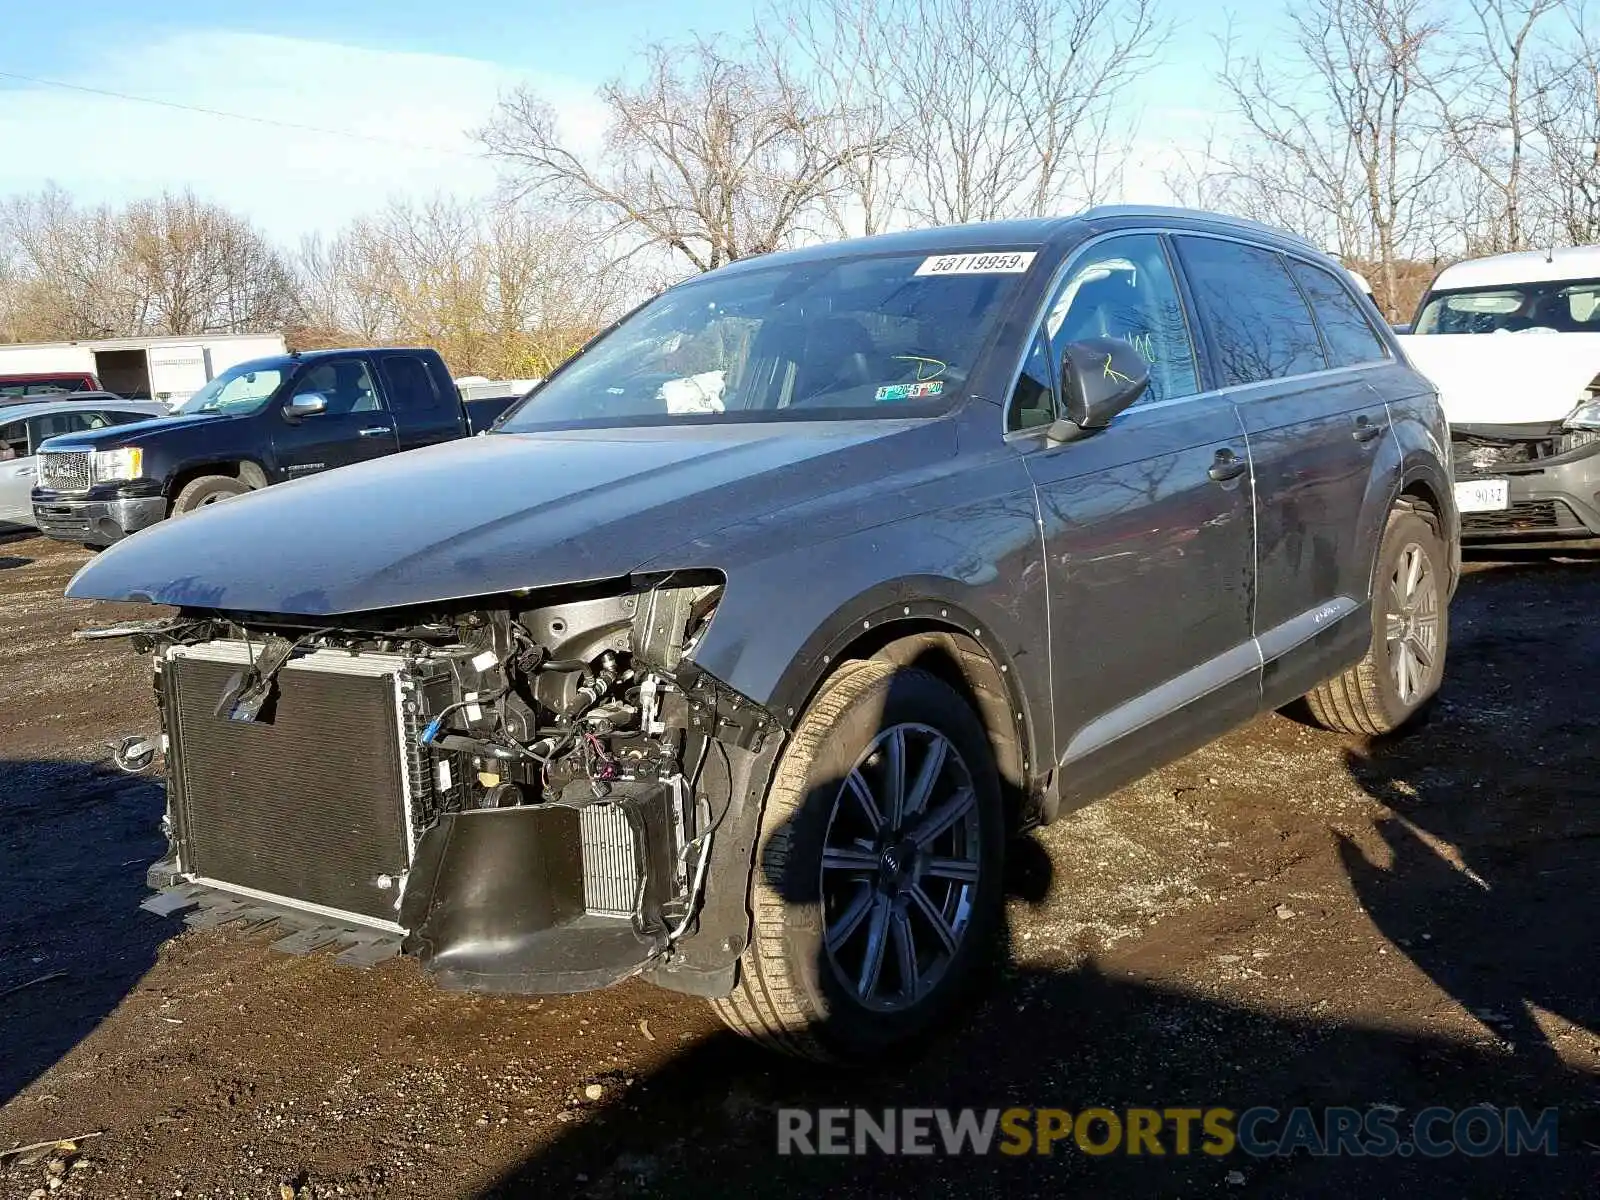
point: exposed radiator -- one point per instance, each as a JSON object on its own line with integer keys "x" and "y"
{"x": 319, "y": 805}
{"x": 610, "y": 864}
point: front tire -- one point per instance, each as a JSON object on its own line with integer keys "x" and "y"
{"x": 1404, "y": 663}
{"x": 878, "y": 890}
{"x": 207, "y": 489}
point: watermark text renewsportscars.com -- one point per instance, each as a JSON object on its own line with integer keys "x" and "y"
{"x": 1335, "y": 1131}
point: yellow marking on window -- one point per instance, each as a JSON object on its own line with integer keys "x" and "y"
{"x": 935, "y": 367}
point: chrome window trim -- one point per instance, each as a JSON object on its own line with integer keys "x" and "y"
{"x": 1230, "y": 389}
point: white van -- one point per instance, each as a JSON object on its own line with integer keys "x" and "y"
{"x": 1513, "y": 344}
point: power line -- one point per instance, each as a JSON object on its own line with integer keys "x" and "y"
{"x": 233, "y": 116}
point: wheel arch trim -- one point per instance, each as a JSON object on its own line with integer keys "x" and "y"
{"x": 891, "y": 614}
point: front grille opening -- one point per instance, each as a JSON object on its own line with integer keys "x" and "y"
{"x": 65, "y": 471}
{"x": 325, "y": 802}
{"x": 1527, "y": 516}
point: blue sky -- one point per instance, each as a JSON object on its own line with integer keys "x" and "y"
{"x": 414, "y": 77}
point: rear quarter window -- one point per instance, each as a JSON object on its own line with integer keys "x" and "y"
{"x": 1349, "y": 336}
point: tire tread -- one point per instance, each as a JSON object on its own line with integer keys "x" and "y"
{"x": 766, "y": 1003}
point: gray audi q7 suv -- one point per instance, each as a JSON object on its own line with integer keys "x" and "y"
{"x": 734, "y": 655}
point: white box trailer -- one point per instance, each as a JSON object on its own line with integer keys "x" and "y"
{"x": 481, "y": 387}
{"x": 170, "y": 369}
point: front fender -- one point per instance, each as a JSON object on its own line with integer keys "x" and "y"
{"x": 794, "y": 603}
{"x": 957, "y": 548}
{"x": 1420, "y": 437}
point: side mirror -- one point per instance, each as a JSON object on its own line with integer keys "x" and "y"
{"x": 1099, "y": 378}
{"x": 306, "y": 404}
{"x": 7, "y": 453}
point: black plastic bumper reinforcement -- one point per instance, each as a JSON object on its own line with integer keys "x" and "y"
{"x": 299, "y": 933}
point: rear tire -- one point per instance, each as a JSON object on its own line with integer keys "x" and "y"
{"x": 207, "y": 489}
{"x": 919, "y": 894}
{"x": 1404, "y": 663}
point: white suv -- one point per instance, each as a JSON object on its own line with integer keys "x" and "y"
{"x": 1522, "y": 397}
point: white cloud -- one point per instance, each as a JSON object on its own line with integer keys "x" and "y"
{"x": 420, "y": 108}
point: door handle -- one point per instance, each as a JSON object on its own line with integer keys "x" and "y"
{"x": 1366, "y": 431}
{"x": 1228, "y": 465}
{"x": 376, "y": 430}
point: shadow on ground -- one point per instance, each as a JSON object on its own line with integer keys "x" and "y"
{"x": 1484, "y": 873}
{"x": 1477, "y": 869}
{"x": 75, "y": 839}
{"x": 708, "y": 1124}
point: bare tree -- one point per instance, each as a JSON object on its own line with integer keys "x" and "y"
{"x": 344, "y": 287}
{"x": 170, "y": 265}
{"x": 197, "y": 268}
{"x": 1566, "y": 114}
{"x": 990, "y": 108}
{"x": 837, "y": 49}
{"x": 1488, "y": 105}
{"x": 1339, "y": 118}
{"x": 1201, "y": 177}
{"x": 711, "y": 157}
{"x": 69, "y": 277}
{"x": 506, "y": 291}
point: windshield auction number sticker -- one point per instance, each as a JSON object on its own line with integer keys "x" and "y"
{"x": 1009, "y": 262}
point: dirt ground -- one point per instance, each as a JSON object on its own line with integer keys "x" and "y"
{"x": 1284, "y": 918}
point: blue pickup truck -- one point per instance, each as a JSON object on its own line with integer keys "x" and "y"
{"x": 256, "y": 424}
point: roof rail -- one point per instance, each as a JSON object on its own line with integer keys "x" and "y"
{"x": 1100, "y": 211}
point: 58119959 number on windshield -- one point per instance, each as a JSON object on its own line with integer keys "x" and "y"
{"x": 1008, "y": 262}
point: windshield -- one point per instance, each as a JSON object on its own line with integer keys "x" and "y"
{"x": 1560, "y": 306}
{"x": 837, "y": 339}
{"x": 239, "y": 390}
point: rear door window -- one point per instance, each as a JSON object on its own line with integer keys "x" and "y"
{"x": 1345, "y": 329}
{"x": 410, "y": 386}
{"x": 1258, "y": 323}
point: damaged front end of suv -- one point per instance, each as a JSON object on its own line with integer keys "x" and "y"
{"x": 563, "y": 772}
{"x": 720, "y": 662}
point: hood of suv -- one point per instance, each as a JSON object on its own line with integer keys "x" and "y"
{"x": 1506, "y": 378}
{"x": 496, "y": 514}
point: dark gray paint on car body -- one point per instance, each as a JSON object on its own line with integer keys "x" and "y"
{"x": 1080, "y": 567}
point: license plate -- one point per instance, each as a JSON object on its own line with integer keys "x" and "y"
{"x": 1483, "y": 495}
